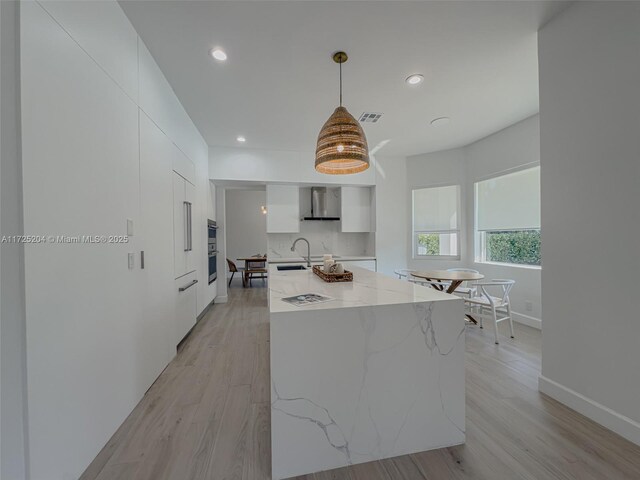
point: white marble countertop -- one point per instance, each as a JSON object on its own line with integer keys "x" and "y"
{"x": 367, "y": 289}
{"x": 318, "y": 259}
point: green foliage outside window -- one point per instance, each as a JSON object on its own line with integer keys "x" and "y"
{"x": 521, "y": 247}
{"x": 428, "y": 244}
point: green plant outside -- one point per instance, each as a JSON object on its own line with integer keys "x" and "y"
{"x": 520, "y": 247}
{"x": 428, "y": 244}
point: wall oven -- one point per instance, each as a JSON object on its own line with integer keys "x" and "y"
{"x": 212, "y": 249}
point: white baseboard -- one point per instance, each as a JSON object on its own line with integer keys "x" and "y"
{"x": 221, "y": 299}
{"x": 527, "y": 320}
{"x": 623, "y": 426}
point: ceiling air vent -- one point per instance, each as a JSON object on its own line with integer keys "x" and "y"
{"x": 370, "y": 117}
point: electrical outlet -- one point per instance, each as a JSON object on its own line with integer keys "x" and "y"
{"x": 528, "y": 305}
{"x": 130, "y": 259}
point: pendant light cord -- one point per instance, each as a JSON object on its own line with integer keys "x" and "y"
{"x": 340, "y": 82}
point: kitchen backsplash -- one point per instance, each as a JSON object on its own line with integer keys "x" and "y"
{"x": 324, "y": 237}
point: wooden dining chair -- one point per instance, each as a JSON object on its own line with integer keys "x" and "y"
{"x": 233, "y": 269}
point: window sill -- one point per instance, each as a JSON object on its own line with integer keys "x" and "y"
{"x": 510, "y": 265}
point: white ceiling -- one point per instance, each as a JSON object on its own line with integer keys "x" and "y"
{"x": 279, "y": 83}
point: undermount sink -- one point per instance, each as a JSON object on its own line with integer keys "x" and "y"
{"x": 291, "y": 267}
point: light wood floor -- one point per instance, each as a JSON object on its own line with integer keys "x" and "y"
{"x": 207, "y": 416}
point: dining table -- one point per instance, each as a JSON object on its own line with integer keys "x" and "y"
{"x": 447, "y": 281}
{"x": 252, "y": 265}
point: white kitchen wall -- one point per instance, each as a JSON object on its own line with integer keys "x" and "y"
{"x": 278, "y": 166}
{"x": 98, "y": 118}
{"x": 12, "y": 313}
{"x": 246, "y": 225}
{"x": 589, "y": 117}
{"x": 447, "y": 167}
{"x": 391, "y": 213}
{"x": 512, "y": 148}
{"x": 324, "y": 237}
{"x": 388, "y": 174}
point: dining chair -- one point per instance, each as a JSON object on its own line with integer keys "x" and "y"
{"x": 467, "y": 289}
{"x": 403, "y": 273}
{"x": 496, "y": 308}
{"x": 233, "y": 269}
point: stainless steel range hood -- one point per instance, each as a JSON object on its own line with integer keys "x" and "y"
{"x": 319, "y": 205}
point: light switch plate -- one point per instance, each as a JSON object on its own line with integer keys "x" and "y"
{"x": 131, "y": 260}
{"x": 129, "y": 227}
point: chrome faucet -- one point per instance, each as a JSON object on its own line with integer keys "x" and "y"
{"x": 293, "y": 249}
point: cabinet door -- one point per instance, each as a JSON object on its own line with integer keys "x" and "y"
{"x": 185, "y": 312}
{"x": 190, "y": 198}
{"x": 179, "y": 226}
{"x": 156, "y": 346}
{"x": 283, "y": 209}
{"x": 356, "y": 209}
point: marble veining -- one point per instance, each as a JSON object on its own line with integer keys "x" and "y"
{"x": 324, "y": 421}
{"x": 360, "y": 383}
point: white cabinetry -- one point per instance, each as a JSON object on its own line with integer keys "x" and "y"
{"x": 186, "y": 301}
{"x": 368, "y": 264}
{"x": 156, "y": 231}
{"x": 355, "y": 208}
{"x": 183, "y": 197}
{"x": 283, "y": 209}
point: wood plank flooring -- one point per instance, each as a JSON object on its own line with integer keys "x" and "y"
{"x": 207, "y": 416}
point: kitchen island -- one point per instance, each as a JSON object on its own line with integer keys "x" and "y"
{"x": 375, "y": 372}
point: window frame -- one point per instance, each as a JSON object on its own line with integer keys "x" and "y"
{"x": 456, "y": 231}
{"x": 479, "y": 236}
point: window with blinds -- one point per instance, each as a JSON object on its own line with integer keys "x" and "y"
{"x": 507, "y": 210}
{"x": 436, "y": 221}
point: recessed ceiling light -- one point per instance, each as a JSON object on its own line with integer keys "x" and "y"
{"x": 437, "y": 122}
{"x": 218, "y": 54}
{"x": 241, "y": 139}
{"x": 414, "y": 79}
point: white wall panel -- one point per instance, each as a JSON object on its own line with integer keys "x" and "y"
{"x": 13, "y": 375}
{"x": 104, "y": 32}
{"x": 99, "y": 333}
{"x": 160, "y": 103}
{"x": 80, "y": 168}
{"x": 251, "y": 164}
{"x": 155, "y": 341}
{"x": 391, "y": 217}
{"x": 589, "y": 116}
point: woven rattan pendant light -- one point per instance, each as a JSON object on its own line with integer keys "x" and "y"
{"x": 342, "y": 147}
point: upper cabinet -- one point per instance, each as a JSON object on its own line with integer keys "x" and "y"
{"x": 283, "y": 209}
{"x": 356, "y": 212}
{"x": 105, "y": 34}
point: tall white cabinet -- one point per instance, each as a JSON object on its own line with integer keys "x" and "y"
{"x": 283, "y": 209}
{"x": 102, "y": 137}
{"x": 185, "y": 290}
{"x": 183, "y": 229}
{"x": 157, "y": 345}
{"x": 356, "y": 211}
